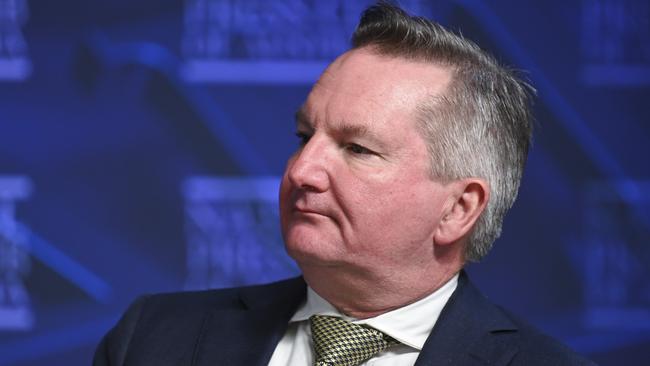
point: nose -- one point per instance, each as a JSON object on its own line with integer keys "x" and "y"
{"x": 308, "y": 169}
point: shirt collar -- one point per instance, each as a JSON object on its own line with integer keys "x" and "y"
{"x": 410, "y": 324}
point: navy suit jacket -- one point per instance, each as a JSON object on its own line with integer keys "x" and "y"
{"x": 242, "y": 327}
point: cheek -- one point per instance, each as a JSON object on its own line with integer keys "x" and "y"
{"x": 409, "y": 213}
{"x": 284, "y": 199}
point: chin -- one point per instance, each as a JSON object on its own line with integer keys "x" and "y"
{"x": 311, "y": 250}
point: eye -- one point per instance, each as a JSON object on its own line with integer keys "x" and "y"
{"x": 358, "y": 149}
{"x": 304, "y": 138}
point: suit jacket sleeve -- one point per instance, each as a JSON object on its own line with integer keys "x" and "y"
{"x": 112, "y": 349}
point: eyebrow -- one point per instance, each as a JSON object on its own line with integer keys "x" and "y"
{"x": 340, "y": 129}
{"x": 347, "y": 129}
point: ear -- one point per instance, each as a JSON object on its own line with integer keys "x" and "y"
{"x": 469, "y": 199}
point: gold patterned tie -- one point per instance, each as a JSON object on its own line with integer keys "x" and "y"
{"x": 341, "y": 343}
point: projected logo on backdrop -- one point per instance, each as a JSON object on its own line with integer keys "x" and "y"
{"x": 615, "y": 263}
{"x": 233, "y": 232}
{"x": 288, "y": 41}
{"x": 15, "y": 310}
{"x": 616, "y": 42}
{"x": 14, "y": 62}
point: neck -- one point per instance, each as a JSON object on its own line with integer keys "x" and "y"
{"x": 363, "y": 294}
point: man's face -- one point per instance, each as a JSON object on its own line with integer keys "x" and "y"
{"x": 357, "y": 192}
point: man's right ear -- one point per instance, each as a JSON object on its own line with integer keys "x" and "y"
{"x": 469, "y": 199}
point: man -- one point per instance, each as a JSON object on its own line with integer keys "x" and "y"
{"x": 412, "y": 146}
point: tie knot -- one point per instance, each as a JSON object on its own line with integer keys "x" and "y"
{"x": 340, "y": 343}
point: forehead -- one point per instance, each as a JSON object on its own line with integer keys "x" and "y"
{"x": 362, "y": 86}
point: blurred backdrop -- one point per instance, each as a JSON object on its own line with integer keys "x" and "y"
{"x": 141, "y": 144}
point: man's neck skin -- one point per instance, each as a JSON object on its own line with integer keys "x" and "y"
{"x": 366, "y": 293}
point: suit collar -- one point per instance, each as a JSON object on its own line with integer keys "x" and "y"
{"x": 248, "y": 332}
{"x": 276, "y": 296}
{"x": 470, "y": 331}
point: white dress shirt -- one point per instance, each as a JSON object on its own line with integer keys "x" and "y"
{"x": 410, "y": 325}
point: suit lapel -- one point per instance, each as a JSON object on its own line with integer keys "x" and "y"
{"x": 248, "y": 333}
{"x": 470, "y": 331}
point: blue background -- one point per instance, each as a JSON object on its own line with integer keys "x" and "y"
{"x": 108, "y": 127}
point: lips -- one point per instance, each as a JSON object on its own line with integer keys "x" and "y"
{"x": 305, "y": 203}
{"x": 298, "y": 209}
{"x": 301, "y": 207}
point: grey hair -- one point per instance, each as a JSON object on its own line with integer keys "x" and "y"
{"x": 480, "y": 127}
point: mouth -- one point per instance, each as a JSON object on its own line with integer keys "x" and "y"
{"x": 308, "y": 211}
{"x": 303, "y": 212}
